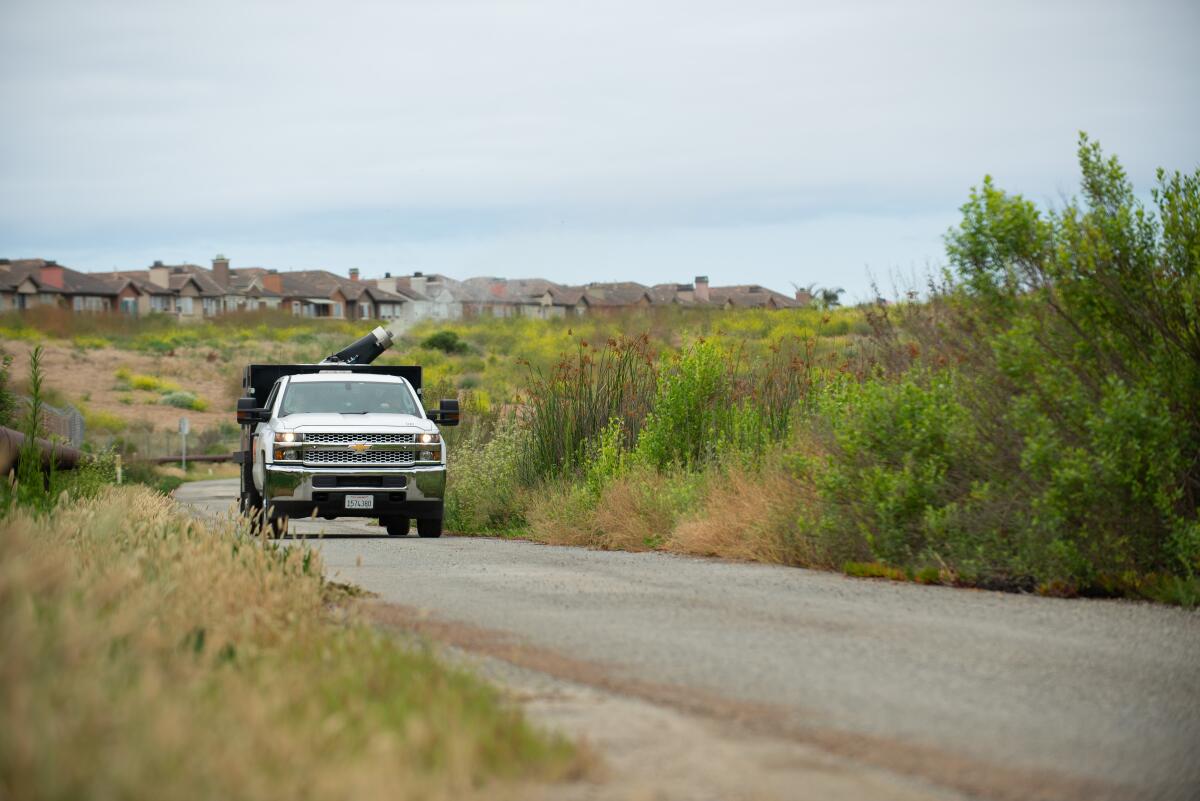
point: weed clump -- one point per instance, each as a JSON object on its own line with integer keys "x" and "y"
{"x": 184, "y": 400}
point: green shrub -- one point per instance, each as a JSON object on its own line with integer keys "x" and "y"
{"x": 483, "y": 492}
{"x": 1060, "y": 450}
{"x": 102, "y": 421}
{"x": 85, "y": 342}
{"x": 145, "y": 473}
{"x": 903, "y": 457}
{"x": 692, "y": 408}
{"x": 184, "y": 400}
{"x": 609, "y": 460}
{"x": 152, "y": 383}
{"x": 446, "y": 342}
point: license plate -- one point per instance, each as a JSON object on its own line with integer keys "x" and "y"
{"x": 360, "y": 501}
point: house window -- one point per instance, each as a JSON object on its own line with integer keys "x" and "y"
{"x": 89, "y": 303}
{"x": 160, "y": 303}
{"x": 337, "y": 310}
{"x": 211, "y": 306}
{"x": 364, "y": 311}
{"x": 129, "y": 305}
{"x": 185, "y": 305}
{"x": 296, "y": 307}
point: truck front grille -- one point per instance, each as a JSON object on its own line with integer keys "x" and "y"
{"x": 353, "y": 457}
{"x": 338, "y": 438}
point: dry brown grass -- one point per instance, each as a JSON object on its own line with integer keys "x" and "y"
{"x": 149, "y": 656}
{"x": 749, "y": 517}
{"x": 753, "y": 515}
{"x": 635, "y": 512}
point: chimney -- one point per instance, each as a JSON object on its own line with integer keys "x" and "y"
{"x": 803, "y": 296}
{"x": 273, "y": 282}
{"x": 353, "y": 273}
{"x": 51, "y": 274}
{"x": 221, "y": 270}
{"x": 417, "y": 282}
{"x": 701, "y": 291}
{"x": 387, "y": 283}
{"x": 160, "y": 274}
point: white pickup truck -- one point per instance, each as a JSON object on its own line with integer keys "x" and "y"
{"x": 340, "y": 439}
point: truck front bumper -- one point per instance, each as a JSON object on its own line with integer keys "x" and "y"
{"x": 408, "y": 492}
{"x": 300, "y": 483}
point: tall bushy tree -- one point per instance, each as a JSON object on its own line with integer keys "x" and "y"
{"x": 1074, "y": 338}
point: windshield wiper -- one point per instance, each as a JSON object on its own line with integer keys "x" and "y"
{"x": 364, "y": 411}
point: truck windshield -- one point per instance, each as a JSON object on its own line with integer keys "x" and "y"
{"x": 347, "y": 397}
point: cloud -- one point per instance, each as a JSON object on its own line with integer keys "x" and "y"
{"x": 510, "y": 130}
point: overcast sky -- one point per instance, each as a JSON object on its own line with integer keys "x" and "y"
{"x": 764, "y": 142}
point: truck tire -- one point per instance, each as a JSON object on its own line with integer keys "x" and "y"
{"x": 249, "y": 501}
{"x": 428, "y": 528}
{"x": 396, "y": 526}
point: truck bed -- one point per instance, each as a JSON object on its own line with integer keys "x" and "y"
{"x": 259, "y": 378}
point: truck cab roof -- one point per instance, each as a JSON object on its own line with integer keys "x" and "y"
{"x": 334, "y": 375}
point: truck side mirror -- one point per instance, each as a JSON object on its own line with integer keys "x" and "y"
{"x": 249, "y": 413}
{"x": 447, "y": 413}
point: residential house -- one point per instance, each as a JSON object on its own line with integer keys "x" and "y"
{"x": 699, "y": 294}
{"x": 751, "y": 296}
{"x": 25, "y": 283}
{"x": 320, "y": 293}
{"x": 192, "y": 292}
{"x": 528, "y": 297}
{"x": 427, "y": 296}
{"x": 615, "y": 297}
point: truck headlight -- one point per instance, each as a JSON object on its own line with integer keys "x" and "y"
{"x": 431, "y": 455}
{"x": 287, "y": 446}
{"x": 425, "y": 439}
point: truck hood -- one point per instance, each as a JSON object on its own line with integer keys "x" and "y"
{"x": 355, "y": 422}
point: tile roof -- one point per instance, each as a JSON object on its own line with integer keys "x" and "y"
{"x": 251, "y": 282}
{"x": 16, "y": 271}
{"x": 617, "y": 293}
{"x": 751, "y": 296}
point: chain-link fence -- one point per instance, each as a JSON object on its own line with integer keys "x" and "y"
{"x": 160, "y": 444}
{"x": 65, "y": 424}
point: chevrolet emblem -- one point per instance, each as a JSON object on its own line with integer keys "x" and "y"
{"x": 359, "y": 447}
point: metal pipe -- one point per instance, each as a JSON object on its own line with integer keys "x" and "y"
{"x": 61, "y": 456}
{"x": 364, "y": 350}
{"x": 205, "y": 458}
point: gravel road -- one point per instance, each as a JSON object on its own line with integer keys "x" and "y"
{"x": 980, "y": 693}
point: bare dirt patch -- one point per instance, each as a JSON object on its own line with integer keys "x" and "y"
{"x": 89, "y": 377}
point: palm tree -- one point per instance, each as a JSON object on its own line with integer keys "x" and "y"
{"x": 829, "y": 297}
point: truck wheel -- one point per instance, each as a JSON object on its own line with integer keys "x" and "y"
{"x": 429, "y": 528}
{"x": 397, "y": 526}
{"x": 249, "y": 501}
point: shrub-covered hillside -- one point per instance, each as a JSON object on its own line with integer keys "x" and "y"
{"x": 1031, "y": 424}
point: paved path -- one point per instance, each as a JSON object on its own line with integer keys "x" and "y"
{"x": 990, "y": 694}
